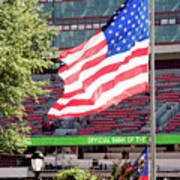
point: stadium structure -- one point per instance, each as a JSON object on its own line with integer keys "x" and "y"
{"x": 121, "y": 131}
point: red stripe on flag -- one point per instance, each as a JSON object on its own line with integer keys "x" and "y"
{"x": 80, "y": 47}
{"x": 74, "y": 77}
{"x": 104, "y": 87}
{"x": 129, "y": 92}
{"x": 107, "y": 69}
{"x": 66, "y": 53}
{"x": 125, "y": 75}
{"x": 88, "y": 53}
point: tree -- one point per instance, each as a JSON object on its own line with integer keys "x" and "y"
{"x": 25, "y": 40}
{"x": 13, "y": 138}
{"x": 74, "y": 174}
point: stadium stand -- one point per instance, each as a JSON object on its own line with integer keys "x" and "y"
{"x": 77, "y": 21}
{"x": 131, "y": 116}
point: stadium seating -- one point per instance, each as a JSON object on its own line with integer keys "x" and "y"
{"x": 131, "y": 116}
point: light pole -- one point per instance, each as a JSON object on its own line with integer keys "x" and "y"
{"x": 37, "y": 162}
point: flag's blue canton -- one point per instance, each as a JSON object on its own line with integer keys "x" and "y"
{"x": 130, "y": 24}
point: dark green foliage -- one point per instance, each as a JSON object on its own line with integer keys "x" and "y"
{"x": 13, "y": 138}
{"x": 115, "y": 172}
{"x": 74, "y": 174}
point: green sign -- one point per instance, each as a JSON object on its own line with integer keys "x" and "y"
{"x": 168, "y": 139}
{"x": 87, "y": 140}
{"x": 101, "y": 140}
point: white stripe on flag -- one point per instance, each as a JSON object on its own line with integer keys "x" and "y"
{"x": 105, "y": 62}
{"x": 78, "y": 66}
{"x": 103, "y": 98}
{"x": 109, "y": 61}
{"x": 93, "y": 41}
{"x": 101, "y": 80}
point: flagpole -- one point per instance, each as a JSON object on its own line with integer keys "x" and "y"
{"x": 152, "y": 93}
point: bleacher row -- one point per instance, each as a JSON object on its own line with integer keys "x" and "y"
{"x": 131, "y": 116}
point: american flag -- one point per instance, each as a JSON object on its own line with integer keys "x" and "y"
{"x": 109, "y": 67}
